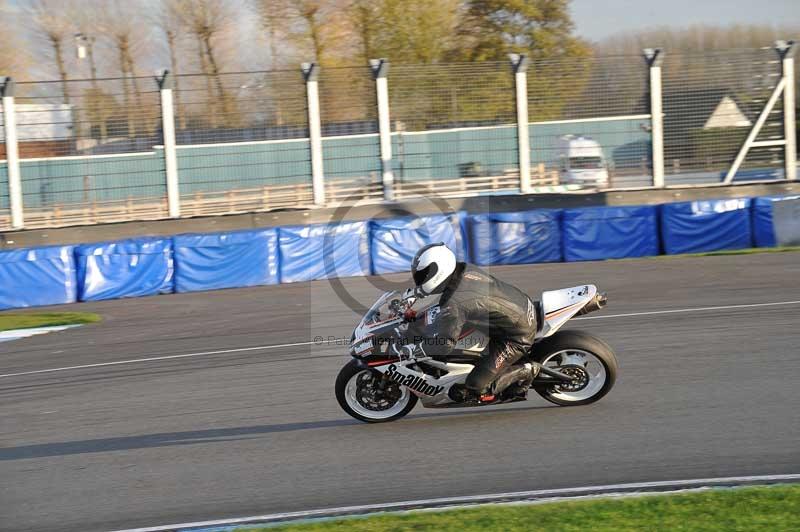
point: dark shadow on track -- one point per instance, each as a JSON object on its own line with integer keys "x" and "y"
{"x": 168, "y": 439}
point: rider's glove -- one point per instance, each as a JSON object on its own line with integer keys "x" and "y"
{"x": 410, "y": 315}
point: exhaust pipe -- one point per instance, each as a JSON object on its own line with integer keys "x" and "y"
{"x": 598, "y": 301}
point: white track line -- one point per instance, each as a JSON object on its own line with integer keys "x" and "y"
{"x": 700, "y": 309}
{"x": 151, "y": 359}
{"x": 279, "y": 346}
{"x": 520, "y": 496}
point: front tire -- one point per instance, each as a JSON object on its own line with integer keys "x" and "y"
{"x": 589, "y": 359}
{"x": 367, "y": 396}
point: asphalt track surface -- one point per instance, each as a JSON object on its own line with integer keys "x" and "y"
{"x": 701, "y": 394}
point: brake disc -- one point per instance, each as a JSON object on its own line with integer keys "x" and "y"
{"x": 373, "y": 398}
{"x": 580, "y": 378}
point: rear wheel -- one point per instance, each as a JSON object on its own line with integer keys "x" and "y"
{"x": 587, "y": 359}
{"x": 368, "y": 396}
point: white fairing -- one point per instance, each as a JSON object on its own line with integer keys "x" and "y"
{"x": 431, "y": 391}
{"x": 559, "y": 306}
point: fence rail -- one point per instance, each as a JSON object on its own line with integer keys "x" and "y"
{"x": 97, "y": 151}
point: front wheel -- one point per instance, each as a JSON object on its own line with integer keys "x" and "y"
{"x": 367, "y": 396}
{"x": 586, "y": 358}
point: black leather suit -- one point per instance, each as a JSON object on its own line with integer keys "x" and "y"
{"x": 473, "y": 299}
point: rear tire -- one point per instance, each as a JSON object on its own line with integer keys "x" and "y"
{"x": 579, "y": 353}
{"x": 348, "y": 393}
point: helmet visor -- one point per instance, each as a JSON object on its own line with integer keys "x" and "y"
{"x": 420, "y": 276}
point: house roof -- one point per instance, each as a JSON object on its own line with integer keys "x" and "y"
{"x": 690, "y": 109}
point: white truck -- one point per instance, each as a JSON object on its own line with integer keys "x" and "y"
{"x": 581, "y": 162}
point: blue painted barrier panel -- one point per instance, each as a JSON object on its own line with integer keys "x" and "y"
{"x": 515, "y": 237}
{"x": 597, "y": 233}
{"x": 37, "y": 276}
{"x": 127, "y": 268}
{"x": 226, "y": 260}
{"x": 765, "y": 232}
{"x": 394, "y": 242}
{"x": 310, "y": 252}
{"x": 706, "y": 225}
{"x": 763, "y": 228}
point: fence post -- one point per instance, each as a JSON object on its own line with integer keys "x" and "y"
{"x": 12, "y": 153}
{"x": 519, "y": 63}
{"x": 380, "y": 68}
{"x": 166, "y": 83}
{"x": 786, "y": 51}
{"x": 654, "y": 58}
{"x": 311, "y": 75}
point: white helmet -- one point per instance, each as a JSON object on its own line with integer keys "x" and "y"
{"x": 432, "y": 267}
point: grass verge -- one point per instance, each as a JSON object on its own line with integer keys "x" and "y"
{"x": 44, "y": 319}
{"x": 757, "y": 508}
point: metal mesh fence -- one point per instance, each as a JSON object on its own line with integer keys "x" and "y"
{"x": 240, "y": 107}
{"x": 711, "y": 102}
{"x": 83, "y": 117}
{"x": 5, "y": 207}
{"x": 87, "y": 150}
{"x": 92, "y": 151}
{"x": 350, "y": 141}
{"x": 589, "y": 122}
{"x": 242, "y": 141}
{"x": 453, "y": 121}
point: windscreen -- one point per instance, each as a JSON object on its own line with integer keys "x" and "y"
{"x": 379, "y": 310}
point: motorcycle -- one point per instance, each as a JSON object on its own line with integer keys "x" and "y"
{"x": 389, "y": 373}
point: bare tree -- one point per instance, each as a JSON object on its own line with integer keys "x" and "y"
{"x": 365, "y": 22}
{"x": 121, "y": 23}
{"x": 83, "y": 17}
{"x": 171, "y": 19}
{"x": 321, "y": 29}
{"x": 14, "y": 59}
{"x": 49, "y": 22}
{"x": 309, "y": 12}
{"x": 207, "y": 20}
{"x": 274, "y": 16}
{"x": 213, "y": 102}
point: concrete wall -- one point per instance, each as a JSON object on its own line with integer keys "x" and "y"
{"x": 472, "y": 205}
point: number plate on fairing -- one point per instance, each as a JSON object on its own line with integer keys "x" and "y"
{"x": 561, "y": 305}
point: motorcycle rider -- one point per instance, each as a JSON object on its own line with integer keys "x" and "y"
{"x": 473, "y": 299}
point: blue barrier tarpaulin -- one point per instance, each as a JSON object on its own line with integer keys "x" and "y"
{"x": 706, "y": 225}
{"x": 226, "y": 260}
{"x": 37, "y": 276}
{"x": 394, "y": 242}
{"x": 515, "y": 237}
{"x": 127, "y": 268}
{"x": 770, "y": 230}
{"x": 597, "y": 233}
{"x": 310, "y": 252}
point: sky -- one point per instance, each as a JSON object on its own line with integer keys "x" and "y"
{"x": 597, "y": 19}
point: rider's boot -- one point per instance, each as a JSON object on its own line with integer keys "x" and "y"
{"x": 516, "y": 379}
{"x": 520, "y": 377}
